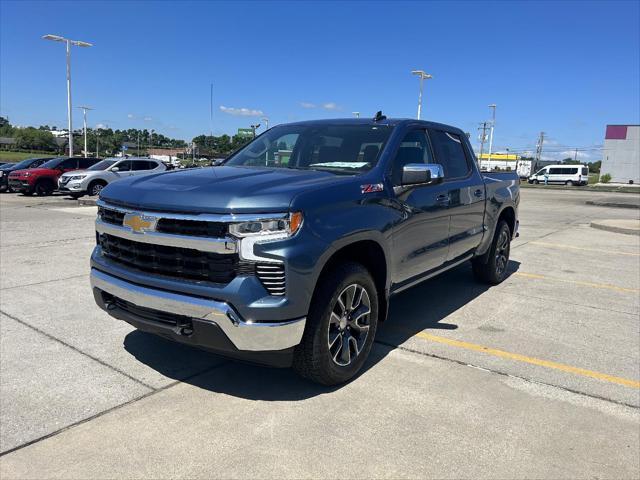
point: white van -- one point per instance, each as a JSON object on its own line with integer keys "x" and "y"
{"x": 564, "y": 174}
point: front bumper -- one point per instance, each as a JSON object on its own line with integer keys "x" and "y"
{"x": 198, "y": 321}
{"x": 19, "y": 185}
{"x": 72, "y": 186}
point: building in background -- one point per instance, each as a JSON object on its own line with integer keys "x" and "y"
{"x": 621, "y": 154}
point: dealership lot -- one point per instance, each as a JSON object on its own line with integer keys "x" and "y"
{"x": 537, "y": 377}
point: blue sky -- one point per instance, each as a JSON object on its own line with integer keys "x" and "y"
{"x": 566, "y": 68}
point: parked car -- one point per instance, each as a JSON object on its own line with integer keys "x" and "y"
{"x": 7, "y": 168}
{"x": 291, "y": 260}
{"x": 44, "y": 179}
{"x": 98, "y": 176}
{"x": 564, "y": 174}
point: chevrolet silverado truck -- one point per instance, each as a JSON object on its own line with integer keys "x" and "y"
{"x": 288, "y": 253}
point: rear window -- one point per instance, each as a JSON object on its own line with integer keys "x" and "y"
{"x": 585, "y": 171}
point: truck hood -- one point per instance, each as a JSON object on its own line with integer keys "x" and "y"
{"x": 218, "y": 189}
{"x": 35, "y": 171}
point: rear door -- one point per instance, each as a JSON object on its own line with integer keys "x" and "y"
{"x": 141, "y": 167}
{"x": 465, "y": 192}
{"x": 420, "y": 238}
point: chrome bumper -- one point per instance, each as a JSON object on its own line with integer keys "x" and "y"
{"x": 244, "y": 335}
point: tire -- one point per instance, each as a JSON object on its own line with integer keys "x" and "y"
{"x": 95, "y": 188}
{"x": 537, "y": 182}
{"x": 76, "y": 195}
{"x": 43, "y": 188}
{"x": 325, "y": 354}
{"x": 569, "y": 183}
{"x": 494, "y": 270}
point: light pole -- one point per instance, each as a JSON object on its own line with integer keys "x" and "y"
{"x": 493, "y": 124}
{"x": 84, "y": 126}
{"x": 356, "y": 114}
{"x": 266, "y": 122}
{"x": 254, "y": 128}
{"x": 68, "y": 42}
{"x": 423, "y": 75}
{"x": 97, "y": 142}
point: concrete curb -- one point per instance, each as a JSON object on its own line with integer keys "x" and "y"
{"x": 612, "y": 204}
{"x": 627, "y": 227}
{"x": 87, "y": 202}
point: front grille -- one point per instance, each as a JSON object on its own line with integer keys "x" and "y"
{"x": 272, "y": 277}
{"x": 175, "y": 262}
{"x": 114, "y": 217}
{"x": 173, "y": 226}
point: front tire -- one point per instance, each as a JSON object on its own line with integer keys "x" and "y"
{"x": 43, "y": 188}
{"x": 341, "y": 326}
{"x": 95, "y": 188}
{"x": 494, "y": 270}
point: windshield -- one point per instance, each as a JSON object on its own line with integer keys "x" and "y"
{"x": 349, "y": 149}
{"x": 53, "y": 163}
{"x": 103, "y": 165}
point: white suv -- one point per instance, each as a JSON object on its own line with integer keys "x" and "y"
{"x": 94, "y": 179}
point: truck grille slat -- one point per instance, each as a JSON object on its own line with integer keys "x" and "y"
{"x": 272, "y": 276}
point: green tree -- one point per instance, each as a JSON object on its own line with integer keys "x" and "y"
{"x": 33, "y": 139}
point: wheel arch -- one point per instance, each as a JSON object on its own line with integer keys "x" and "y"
{"x": 373, "y": 256}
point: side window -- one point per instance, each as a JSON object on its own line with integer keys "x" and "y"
{"x": 141, "y": 165}
{"x": 87, "y": 162}
{"x": 414, "y": 148}
{"x": 585, "y": 171}
{"x": 450, "y": 153}
{"x": 555, "y": 171}
{"x": 69, "y": 163}
{"x": 124, "y": 166}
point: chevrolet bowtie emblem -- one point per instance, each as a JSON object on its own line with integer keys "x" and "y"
{"x": 139, "y": 223}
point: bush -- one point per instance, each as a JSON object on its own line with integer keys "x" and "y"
{"x": 606, "y": 178}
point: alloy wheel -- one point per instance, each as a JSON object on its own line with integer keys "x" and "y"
{"x": 96, "y": 189}
{"x": 502, "y": 253}
{"x": 349, "y": 324}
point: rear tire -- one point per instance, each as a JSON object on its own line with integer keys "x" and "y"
{"x": 569, "y": 183}
{"x": 341, "y": 326}
{"x": 537, "y": 182}
{"x": 494, "y": 270}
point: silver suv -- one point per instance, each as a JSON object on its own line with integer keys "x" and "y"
{"x": 95, "y": 178}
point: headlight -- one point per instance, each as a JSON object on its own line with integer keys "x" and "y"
{"x": 270, "y": 228}
{"x": 26, "y": 174}
{"x": 78, "y": 177}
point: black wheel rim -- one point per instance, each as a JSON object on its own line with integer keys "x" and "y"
{"x": 349, "y": 325}
{"x": 502, "y": 253}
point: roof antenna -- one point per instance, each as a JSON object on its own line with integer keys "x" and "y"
{"x": 379, "y": 116}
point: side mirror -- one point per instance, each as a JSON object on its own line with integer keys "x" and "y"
{"x": 115, "y": 169}
{"x": 422, "y": 173}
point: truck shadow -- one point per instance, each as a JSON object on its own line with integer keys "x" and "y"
{"x": 423, "y": 307}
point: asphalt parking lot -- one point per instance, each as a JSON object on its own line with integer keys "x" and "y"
{"x": 537, "y": 377}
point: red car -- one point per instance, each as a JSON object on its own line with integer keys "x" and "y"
{"x": 44, "y": 180}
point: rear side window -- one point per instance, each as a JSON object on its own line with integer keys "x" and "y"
{"x": 69, "y": 163}
{"x": 585, "y": 171}
{"x": 450, "y": 153}
{"x": 143, "y": 165}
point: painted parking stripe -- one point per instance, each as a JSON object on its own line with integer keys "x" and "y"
{"x": 584, "y": 249}
{"x": 531, "y": 360}
{"x": 535, "y": 276}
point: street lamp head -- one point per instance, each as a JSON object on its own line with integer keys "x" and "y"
{"x": 493, "y": 105}
{"x": 78, "y": 43}
{"x": 417, "y": 72}
{"x": 422, "y": 74}
{"x": 54, "y": 38}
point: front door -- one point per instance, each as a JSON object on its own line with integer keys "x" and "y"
{"x": 420, "y": 237}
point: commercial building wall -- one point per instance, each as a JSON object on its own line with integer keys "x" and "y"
{"x": 621, "y": 155}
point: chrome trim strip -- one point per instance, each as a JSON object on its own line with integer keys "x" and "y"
{"x": 245, "y": 335}
{"x": 204, "y": 217}
{"x": 205, "y": 244}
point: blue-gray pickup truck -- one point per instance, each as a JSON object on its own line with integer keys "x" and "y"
{"x": 288, "y": 253}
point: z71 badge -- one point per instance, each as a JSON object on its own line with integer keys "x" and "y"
{"x": 372, "y": 187}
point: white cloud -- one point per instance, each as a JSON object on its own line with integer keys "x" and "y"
{"x": 241, "y": 112}
{"x": 130, "y": 115}
{"x": 147, "y": 119}
{"x": 331, "y": 106}
{"x": 308, "y": 105}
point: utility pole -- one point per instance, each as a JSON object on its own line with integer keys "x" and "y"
{"x": 97, "y": 142}
{"x": 84, "y": 123}
{"x": 493, "y": 124}
{"x": 575, "y": 156}
{"x": 483, "y": 136}
{"x": 253, "y": 128}
{"x": 539, "y": 148}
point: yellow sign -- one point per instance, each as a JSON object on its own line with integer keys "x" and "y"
{"x": 499, "y": 156}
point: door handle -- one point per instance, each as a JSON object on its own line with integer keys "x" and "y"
{"x": 478, "y": 193}
{"x": 442, "y": 198}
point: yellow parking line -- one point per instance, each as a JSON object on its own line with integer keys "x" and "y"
{"x": 573, "y": 247}
{"x": 535, "y": 276}
{"x": 534, "y": 361}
